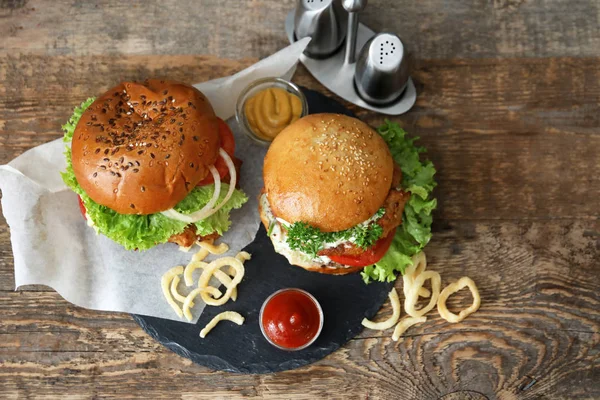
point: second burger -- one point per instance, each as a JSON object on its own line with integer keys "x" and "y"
{"x": 334, "y": 197}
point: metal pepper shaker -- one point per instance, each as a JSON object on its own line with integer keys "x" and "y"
{"x": 382, "y": 70}
{"x": 324, "y": 21}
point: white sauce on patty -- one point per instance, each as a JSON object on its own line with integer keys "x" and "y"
{"x": 279, "y": 238}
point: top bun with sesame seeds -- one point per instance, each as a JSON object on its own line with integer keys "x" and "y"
{"x": 141, "y": 147}
{"x": 328, "y": 170}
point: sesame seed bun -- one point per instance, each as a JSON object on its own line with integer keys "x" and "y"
{"x": 141, "y": 147}
{"x": 328, "y": 170}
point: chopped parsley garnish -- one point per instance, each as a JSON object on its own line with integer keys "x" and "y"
{"x": 310, "y": 240}
{"x": 366, "y": 236}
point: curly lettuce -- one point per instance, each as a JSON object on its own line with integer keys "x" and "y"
{"x": 145, "y": 231}
{"x": 415, "y": 231}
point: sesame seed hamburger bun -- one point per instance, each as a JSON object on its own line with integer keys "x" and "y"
{"x": 140, "y": 148}
{"x": 328, "y": 170}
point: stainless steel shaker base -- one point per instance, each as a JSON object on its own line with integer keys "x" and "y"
{"x": 338, "y": 76}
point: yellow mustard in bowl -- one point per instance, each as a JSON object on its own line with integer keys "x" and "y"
{"x": 269, "y": 111}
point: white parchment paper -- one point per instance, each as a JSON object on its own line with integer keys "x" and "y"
{"x": 53, "y": 246}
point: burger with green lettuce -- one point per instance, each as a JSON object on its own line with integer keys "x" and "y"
{"x": 152, "y": 163}
{"x": 340, "y": 197}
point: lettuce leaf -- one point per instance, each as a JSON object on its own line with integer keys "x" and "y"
{"x": 415, "y": 231}
{"x": 145, "y": 231}
{"x": 218, "y": 222}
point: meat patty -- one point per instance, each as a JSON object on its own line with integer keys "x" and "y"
{"x": 394, "y": 207}
{"x": 188, "y": 237}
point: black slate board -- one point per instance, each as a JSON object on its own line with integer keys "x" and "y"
{"x": 346, "y": 300}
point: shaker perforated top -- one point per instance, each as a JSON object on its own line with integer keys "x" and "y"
{"x": 381, "y": 69}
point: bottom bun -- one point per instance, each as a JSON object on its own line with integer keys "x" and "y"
{"x": 330, "y": 268}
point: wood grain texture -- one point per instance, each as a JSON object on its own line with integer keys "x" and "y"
{"x": 537, "y": 324}
{"x": 508, "y": 109}
{"x": 234, "y": 29}
{"x": 493, "y": 151}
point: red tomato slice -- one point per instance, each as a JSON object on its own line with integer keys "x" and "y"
{"x": 228, "y": 144}
{"x": 369, "y": 257}
{"x": 227, "y": 141}
{"x": 82, "y": 207}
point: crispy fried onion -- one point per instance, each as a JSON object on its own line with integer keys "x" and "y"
{"x": 388, "y": 323}
{"x": 453, "y": 288}
{"x": 212, "y": 249}
{"x": 242, "y": 256}
{"x": 188, "y": 302}
{"x": 413, "y": 280}
{"x": 405, "y": 324}
{"x": 165, "y": 283}
{"x": 174, "y": 292}
{"x": 223, "y": 278}
{"x": 412, "y": 296}
{"x": 210, "y": 294}
{"x": 169, "y": 283}
{"x": 227, "y": 315}
{"x": 209, "y": 271}
{"x": 206, "y": 248}
{"x": 419, "y": 264}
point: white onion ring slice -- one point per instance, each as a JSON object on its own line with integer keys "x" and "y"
{"x": 206, "y": 210}
{"x": 232, "y": 180}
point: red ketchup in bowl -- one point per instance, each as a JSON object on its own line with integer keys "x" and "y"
{"x": 291, "y": 319}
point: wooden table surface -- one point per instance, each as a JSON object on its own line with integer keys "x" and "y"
{"x": 509, "y": 109}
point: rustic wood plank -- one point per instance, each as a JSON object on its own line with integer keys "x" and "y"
{"x": 423, "y": 366}
{"x": 538, "y": 311}
{"x": 234, "y": 29}
{"x": 514, "y": 135}
{"x": 498, "y": 156}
